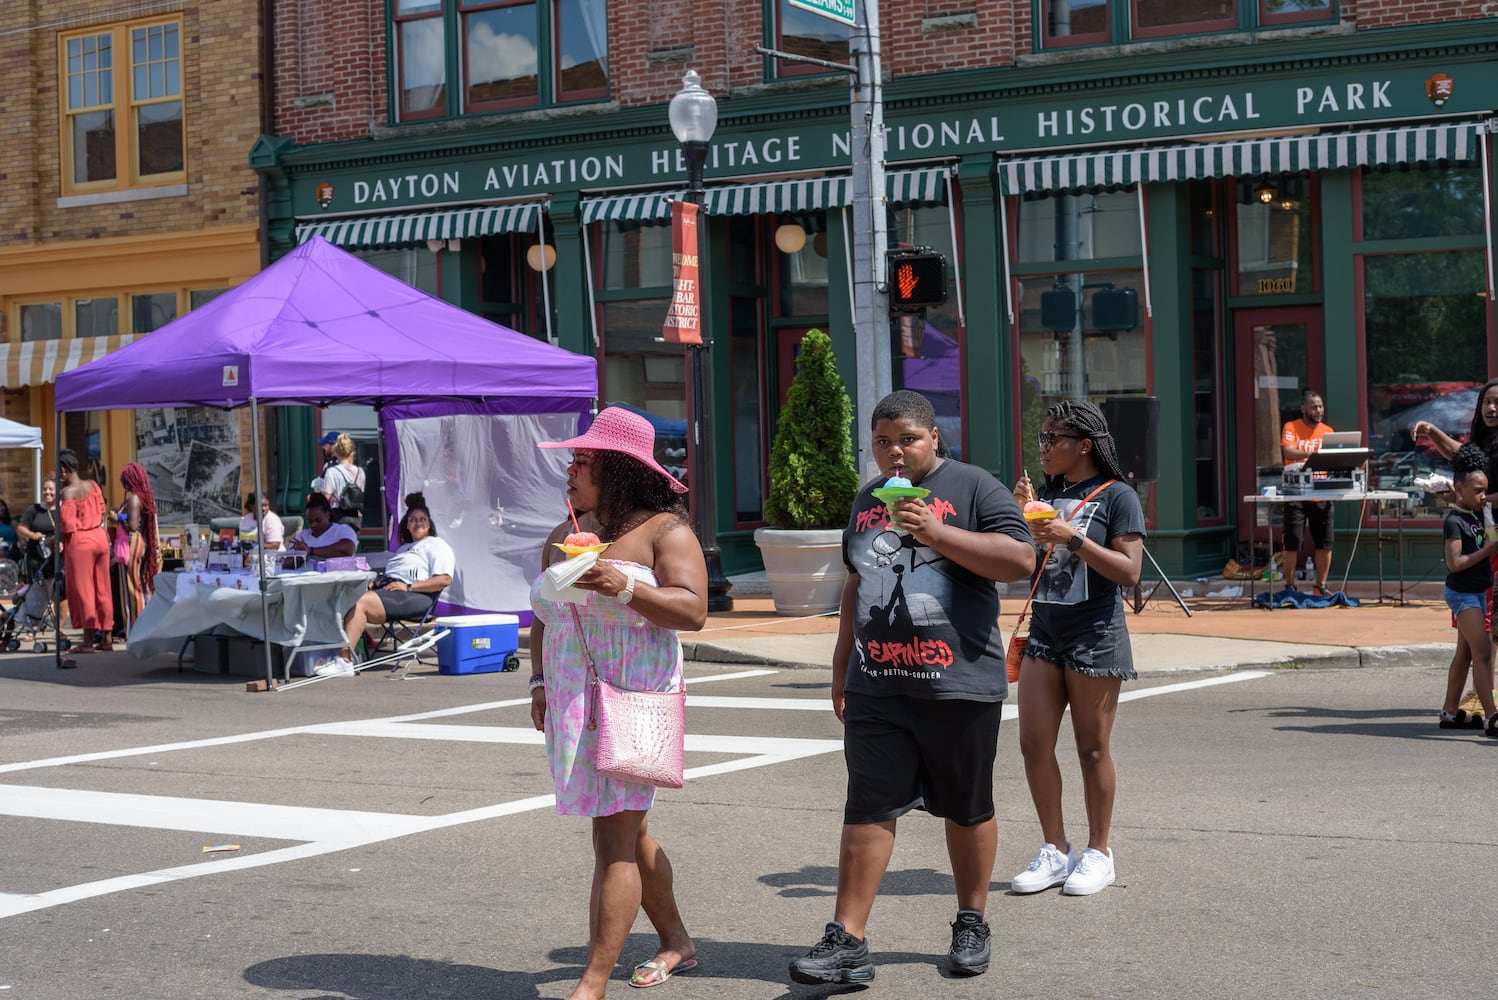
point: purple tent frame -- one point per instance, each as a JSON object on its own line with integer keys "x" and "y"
{"x": 320, "y": 327}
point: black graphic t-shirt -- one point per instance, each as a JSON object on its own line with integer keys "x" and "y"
{"x": 1467, "y": 526}
{"x": 1073, "y": 595}
{"x": 924, "y": 626}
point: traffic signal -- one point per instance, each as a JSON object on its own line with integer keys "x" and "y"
{"x": 916, "y": 281}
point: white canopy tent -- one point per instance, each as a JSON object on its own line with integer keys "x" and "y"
{"x": 16, "y": 435}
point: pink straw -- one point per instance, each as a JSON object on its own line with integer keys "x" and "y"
{"x": 574, "y": 515}
{"x": 899, "y": 470}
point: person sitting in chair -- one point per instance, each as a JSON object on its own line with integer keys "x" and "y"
{"x": 418, "y": 571}
{"x": 321, "y": 537}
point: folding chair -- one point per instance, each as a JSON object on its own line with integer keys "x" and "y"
{"x": 395, "y": 632}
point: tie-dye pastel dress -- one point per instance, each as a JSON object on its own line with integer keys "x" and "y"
{"x": 629, "y": 652}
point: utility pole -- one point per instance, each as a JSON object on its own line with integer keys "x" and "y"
{"x": 870, "y": 228}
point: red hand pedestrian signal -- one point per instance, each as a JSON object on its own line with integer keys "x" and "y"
{"x": 917, "y": 280}
{"x": 907, "y": 280}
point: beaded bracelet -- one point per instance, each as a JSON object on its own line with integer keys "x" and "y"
{"x": 537, "y": 680}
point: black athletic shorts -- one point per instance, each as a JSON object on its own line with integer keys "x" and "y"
{"x": 1318, "y": 514}
{"x": 917, "y": 753}
{"x": 406, "y": 604}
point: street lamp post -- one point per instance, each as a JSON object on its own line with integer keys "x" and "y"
{"x": 694, "y": 116}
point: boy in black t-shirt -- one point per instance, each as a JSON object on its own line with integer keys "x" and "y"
{"x": 1467, "y": 584}
{"x": 918, "y": 679}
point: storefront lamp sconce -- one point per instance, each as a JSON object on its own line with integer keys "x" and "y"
{"x": 437, "y": 246}
{"x": 1265, "y": 192}
{"x": 1288, "y": 204}
{"x": 790, "y": 238}
{"x": 541, "y": 257}
{"x": 819, "y": 244}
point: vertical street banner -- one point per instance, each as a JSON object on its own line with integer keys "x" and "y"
{"x": 684, "y": 317}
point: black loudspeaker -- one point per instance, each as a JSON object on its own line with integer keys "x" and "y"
{"x": 1135, "y": 424}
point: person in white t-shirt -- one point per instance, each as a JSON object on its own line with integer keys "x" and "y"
{"x": 408, "y": 588}
{"x": 321, "y": 537}
{"x": 275, "y": 531}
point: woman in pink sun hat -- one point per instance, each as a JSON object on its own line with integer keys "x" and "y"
{"x": 653, "y": 583}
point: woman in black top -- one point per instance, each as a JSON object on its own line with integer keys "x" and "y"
{"x": 38, "y": 525}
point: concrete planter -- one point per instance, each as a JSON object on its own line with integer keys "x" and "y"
{"x": 805, "y": 569}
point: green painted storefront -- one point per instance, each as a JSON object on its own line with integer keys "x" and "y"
{"x": 990, "y": 131}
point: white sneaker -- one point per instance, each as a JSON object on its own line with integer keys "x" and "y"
{"x": 1050, "y": 867}
{"x": 340, "y": 666}
{"x": 1093, "y": 873}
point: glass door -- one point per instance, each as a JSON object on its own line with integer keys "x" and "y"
{"x": 1278, "y": 354}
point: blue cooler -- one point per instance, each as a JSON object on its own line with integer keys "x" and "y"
{"x": 478, "y": 644}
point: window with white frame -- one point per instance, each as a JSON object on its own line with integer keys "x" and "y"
{"x": 457, "y": 57}
{"x": 122, "y": 106}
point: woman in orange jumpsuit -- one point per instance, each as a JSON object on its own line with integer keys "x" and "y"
{"x": 85, "y": 554}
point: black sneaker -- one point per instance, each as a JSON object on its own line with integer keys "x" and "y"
{"x": 839, "y": 958}
{"x": 1491, "y": 728}
{"x": 970, "y": 945}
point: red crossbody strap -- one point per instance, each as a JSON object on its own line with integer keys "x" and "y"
{"x": 1051, "y": 548}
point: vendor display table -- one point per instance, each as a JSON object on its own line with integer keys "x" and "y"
{"x": 304, "y": 608}
{"x": 1376, "y": 497}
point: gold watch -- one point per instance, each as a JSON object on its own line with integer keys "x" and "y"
{"x": 627, "y": 594}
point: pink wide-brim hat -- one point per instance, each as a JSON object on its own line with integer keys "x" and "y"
{"x": 618, "y": 429}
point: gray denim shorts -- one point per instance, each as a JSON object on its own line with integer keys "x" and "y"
{"x": 1100, "y": 649}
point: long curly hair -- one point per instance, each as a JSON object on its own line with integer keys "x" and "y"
{"x": 135, "y": 479}
{"x": 625, "y": 485}
{"x": 1083, "y": 417}
{"x": 1483, "y": 436}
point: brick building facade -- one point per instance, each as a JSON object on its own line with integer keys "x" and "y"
{"x": 125, "y": 200}
{"x": 1235, "y": 200}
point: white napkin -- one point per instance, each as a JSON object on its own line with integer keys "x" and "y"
{"x": 557, "y": 581}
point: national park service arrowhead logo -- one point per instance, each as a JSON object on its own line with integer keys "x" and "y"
{"x": 1439, "y": 87}
{"x": 325, "y": 193}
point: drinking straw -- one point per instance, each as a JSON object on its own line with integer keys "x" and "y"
{"x": 574, "y": 515}
{"x": 899, "y": 470}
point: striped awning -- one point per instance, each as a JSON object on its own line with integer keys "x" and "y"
{"x": 1246, "y": 157}
{"x": 923, "y": 185}
{"x": 415, "y": 228}
{"x": 37, "y": 362}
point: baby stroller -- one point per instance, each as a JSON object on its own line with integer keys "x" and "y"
{"x": 33, "y": 611}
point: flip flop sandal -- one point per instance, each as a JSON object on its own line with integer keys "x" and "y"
{"x": 1461, "y": 720}
{"x": 654, "y": 972}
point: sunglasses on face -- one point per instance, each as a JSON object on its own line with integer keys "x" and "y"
{"x": 1047, "y": 438}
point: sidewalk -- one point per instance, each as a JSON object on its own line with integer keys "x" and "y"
{"x": 1222, "y": 633}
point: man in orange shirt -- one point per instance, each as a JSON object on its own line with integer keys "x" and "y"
{"x": 1298, "y": 440}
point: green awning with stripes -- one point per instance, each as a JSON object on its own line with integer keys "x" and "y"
{"x": 1247, "y": 157}
{"x": 923, "y": 185}
{"x": 416, "y": 228}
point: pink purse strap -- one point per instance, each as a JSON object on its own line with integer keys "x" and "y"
{"x": 1052, "y": 548}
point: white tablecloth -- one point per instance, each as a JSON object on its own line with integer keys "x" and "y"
{"x": 304, "y": 607}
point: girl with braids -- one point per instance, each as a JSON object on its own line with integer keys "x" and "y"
{"x": 653, "y": 583}
{"x": 1079, "y": 653}
{"x": 1468, "y": 581}
{"x": 138, "y": 518}
{"x": 1484, "y": 434}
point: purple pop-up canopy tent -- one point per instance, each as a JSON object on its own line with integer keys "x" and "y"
{"x": 321, "y": 327}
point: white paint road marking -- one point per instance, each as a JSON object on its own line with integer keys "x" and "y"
{"x": 332, "y": 830}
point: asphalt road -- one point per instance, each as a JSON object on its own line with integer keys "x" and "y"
{"x": 1290, "y": 834}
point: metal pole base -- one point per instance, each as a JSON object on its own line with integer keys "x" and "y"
{"x": 1141, "y": 598}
